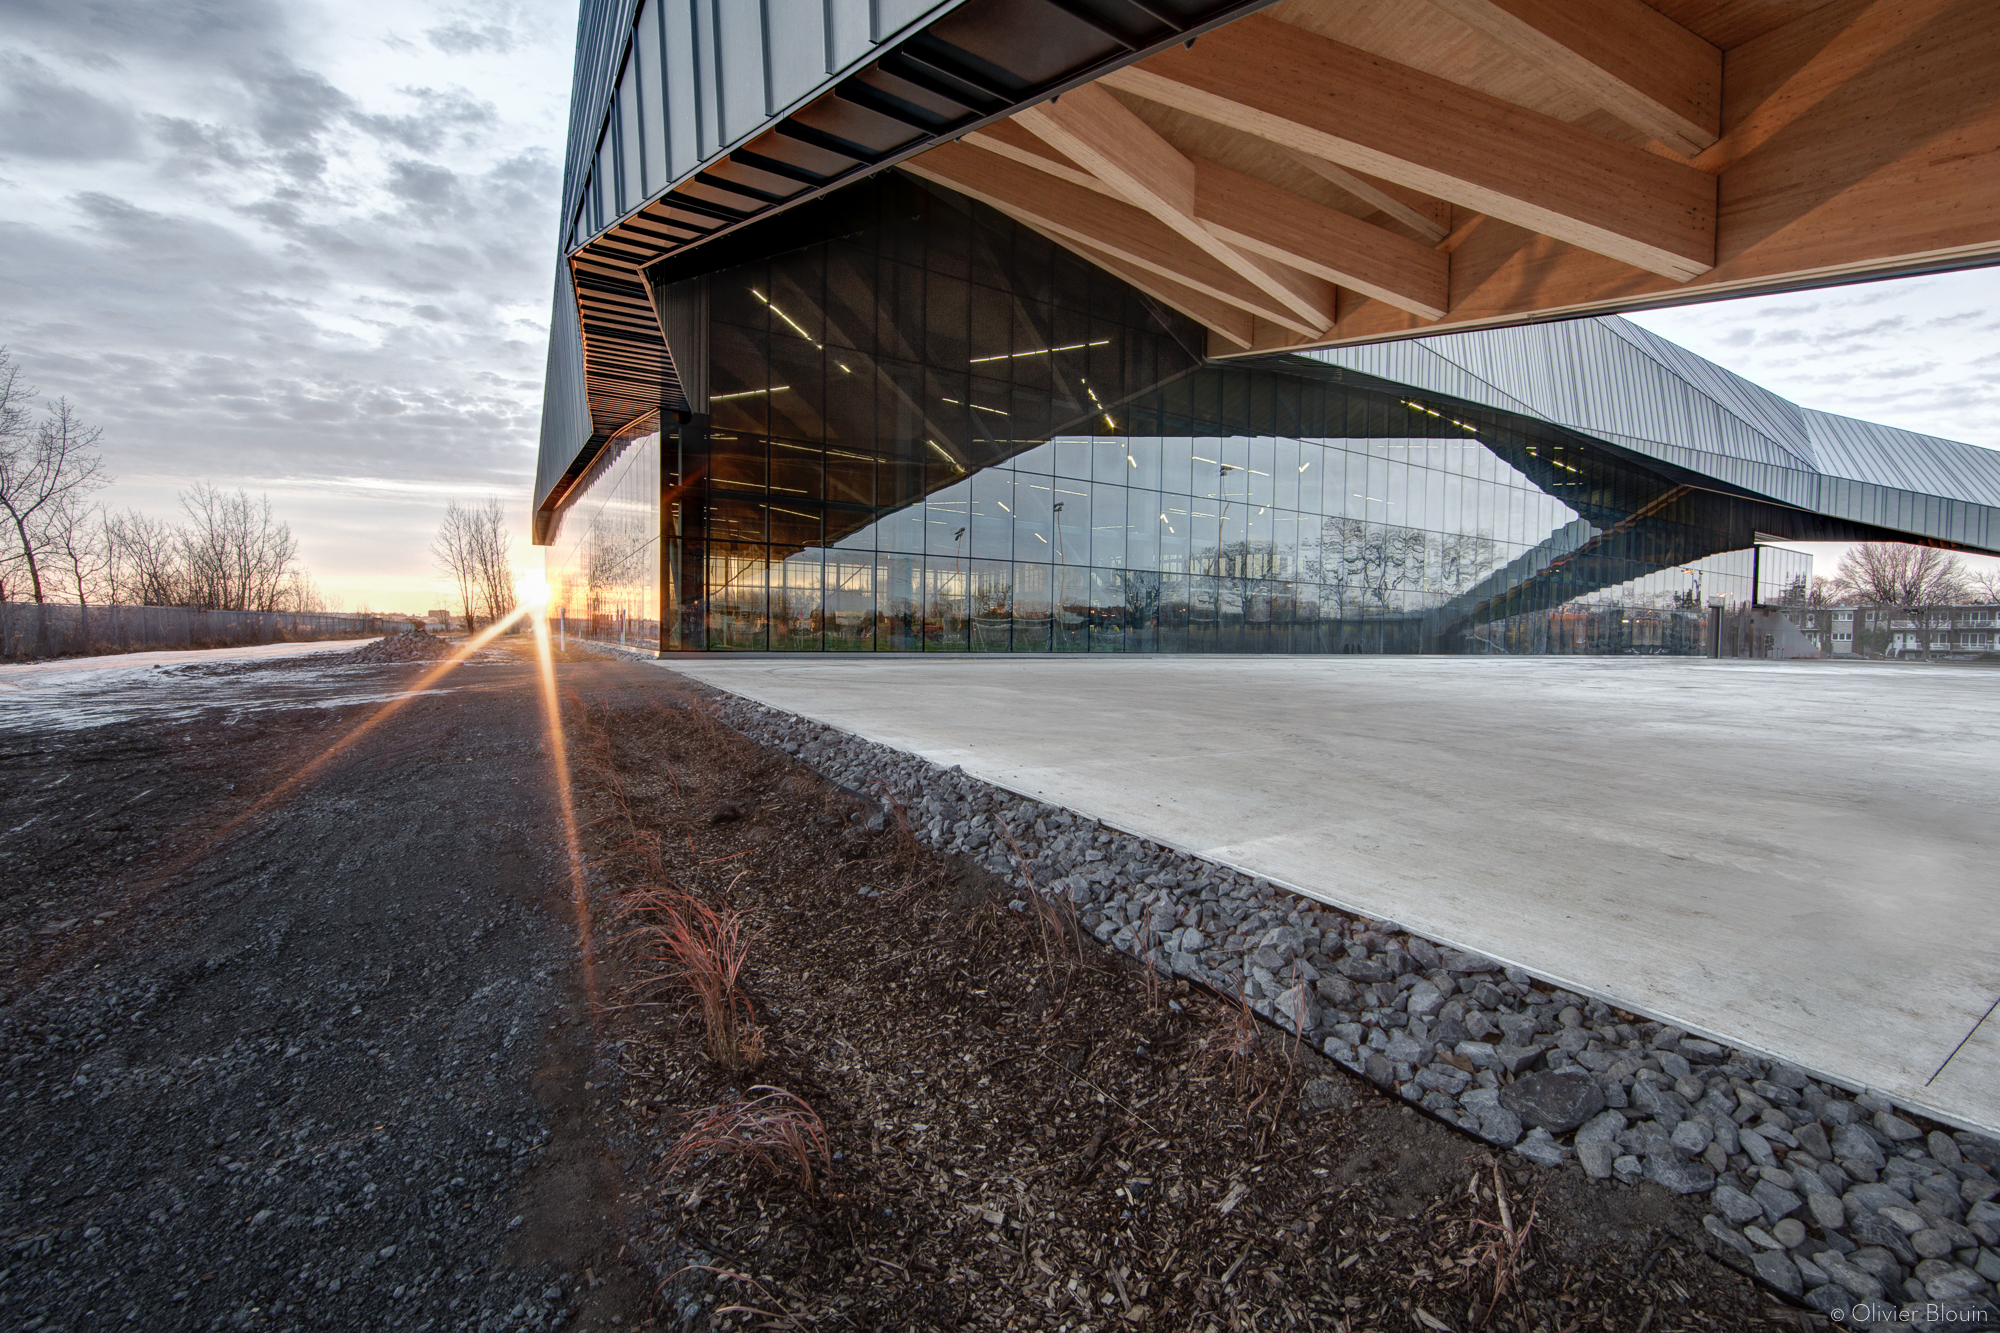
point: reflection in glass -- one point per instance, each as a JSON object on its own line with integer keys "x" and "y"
{"x": 936, "y": 432}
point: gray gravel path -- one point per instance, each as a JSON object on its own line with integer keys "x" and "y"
{"x": 294, "y": 1084}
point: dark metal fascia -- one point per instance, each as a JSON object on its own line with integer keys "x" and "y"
{"x": 869, "y": 97}
{"x": 791, "y": 128}
{"x": 869, "y": 160}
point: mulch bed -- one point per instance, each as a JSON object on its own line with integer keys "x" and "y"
{"x": 1030, "y": 1132}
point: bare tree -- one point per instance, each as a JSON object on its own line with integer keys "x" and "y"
{"x": 44, "y": 465}
{"x": 1914, "y": 583}
{"x": 1806, "y": 591}
{"x": 1985, "y": 583}
{"x": 145, "y": 560}
{"x": 495, "y": 547}
{"x": 236, "y": 552}
{"x": 474, "y": 553}
{"x": 453, "y": 550}
{"x": 79, "y": 546}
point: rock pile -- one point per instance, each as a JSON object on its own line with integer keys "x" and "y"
{"x": 418, "y": 647}
{"x": 1833, "y": 1199}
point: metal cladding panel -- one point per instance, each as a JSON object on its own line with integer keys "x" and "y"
{"x": 1905, "y": 460}
{"x": 1792, "y": 485}
{"x": 712, "y": 74}
{"x": 601, "y": 29}
{"x": 798, "y": 64}
{"x": 1415, "y": 363}
{"x": 742, "y": 57}
{"x": 1580, "y": 374}
{"x": 1776, "y": 417}
{"x": 1609, "y": 379}
{"x": 565, "y": 402}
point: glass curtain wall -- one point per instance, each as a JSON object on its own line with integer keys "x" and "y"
{"x": 932, "y": 430}
{"x": 603, "y": 569}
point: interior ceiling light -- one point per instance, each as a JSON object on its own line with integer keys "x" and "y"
{"x": 977, "y": 408}
{"x": 817, "y": 344}
{"x": 1040, "y": 351}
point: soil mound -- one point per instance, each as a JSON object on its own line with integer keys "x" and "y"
{"x": 403, "y": 648}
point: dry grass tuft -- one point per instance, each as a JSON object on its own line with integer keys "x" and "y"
{"x": 1054, "y": 915}
{"x": 692, "y": 944}
{"x": 1503, "y": 1251}
{"x": 776, "y": 1130}
{"x": 1232, "y": 1042}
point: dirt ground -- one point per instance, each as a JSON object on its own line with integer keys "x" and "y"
{"x": 291, "y": 1057}
{"x": 324, "y": 1053}
{"x": 1027, "y": 1131}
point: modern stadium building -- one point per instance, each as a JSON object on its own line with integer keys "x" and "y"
{"x": 1101, "y": 325}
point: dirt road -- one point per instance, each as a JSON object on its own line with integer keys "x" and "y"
{"x": 325, "y": 1070}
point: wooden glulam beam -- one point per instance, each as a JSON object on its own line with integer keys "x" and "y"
{"x": 1368, "y": 114}
{"x": 1264, "y": 219}
{"x": 1011, "y": 141}
{"x": 1231, "y": 324}
{"x": 1113, "y": 227}
{"x": 1100, "y": 134}
{"x": 1419, "y": 215}
{"x": 1626, "y": 56}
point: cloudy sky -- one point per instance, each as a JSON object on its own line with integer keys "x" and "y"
{"x": 302, "y": 248}
{"x": 307, "y": 248}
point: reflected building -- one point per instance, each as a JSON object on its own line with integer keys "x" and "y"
{"x": 800, "y": 406}
{"x": 930, "y": 429}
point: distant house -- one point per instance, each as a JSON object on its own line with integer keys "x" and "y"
{"x": 1867, "y": 631}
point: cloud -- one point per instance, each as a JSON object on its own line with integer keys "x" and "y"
{"x": 43, "y": 116}
{"x": 440, "y": 114}
{"x": 275, "y": 241}
{"x": 1906, "y": 353}
{"x": 462, "y": 38}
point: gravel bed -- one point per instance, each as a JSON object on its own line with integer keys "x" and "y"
{"x": 1836, "y": 1200}
{"x": 282, "y": 1080}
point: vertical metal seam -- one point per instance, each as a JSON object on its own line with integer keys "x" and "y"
{"x": 764, "y": 41}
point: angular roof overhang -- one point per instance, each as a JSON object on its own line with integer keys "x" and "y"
{"x": 1315, "y": 173}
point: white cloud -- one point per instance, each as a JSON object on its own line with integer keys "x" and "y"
{"x": 303, "y": 248}
{"x": 1912, "y": 352}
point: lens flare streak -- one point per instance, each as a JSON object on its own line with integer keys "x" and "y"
{"x": 565, "y": 800}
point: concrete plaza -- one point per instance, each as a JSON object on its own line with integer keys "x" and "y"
{"x": 1794, "y": 857}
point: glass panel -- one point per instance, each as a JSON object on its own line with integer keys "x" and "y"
{"x": 738, "y": 609}
{"x": 1034, "y": 601}
{"x": 797, "y": 604}
{"x": 850, "y": 602}
{"x": 992, "y": 516}
{"x": 863, "y": 486}
{"x": 1107, "y": 526}
{"x": 990, "y": 595}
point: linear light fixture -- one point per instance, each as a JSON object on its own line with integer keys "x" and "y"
{"x": 817, "y": 344}
{"x": 1040, "y": 351}
{"x": 747, "y": 393}
{"x": 1109, "y": 424}
{"x": 977, "y": 408}
{"x": 1233, "y": 467}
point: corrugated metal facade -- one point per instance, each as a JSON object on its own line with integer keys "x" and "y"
{"x": 565, "y": 403}
{"x": 666, "y": 87}
{"x": 1613, "y": 380}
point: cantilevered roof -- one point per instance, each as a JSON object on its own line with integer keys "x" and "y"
{"x": 1610, "y": 379}
{"x": 1291, "y": 173}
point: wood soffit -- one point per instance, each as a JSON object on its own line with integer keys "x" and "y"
{"x": 1331, "y": 171}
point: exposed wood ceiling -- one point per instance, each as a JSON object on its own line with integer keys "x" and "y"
{"x": 1330, "y": 171}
